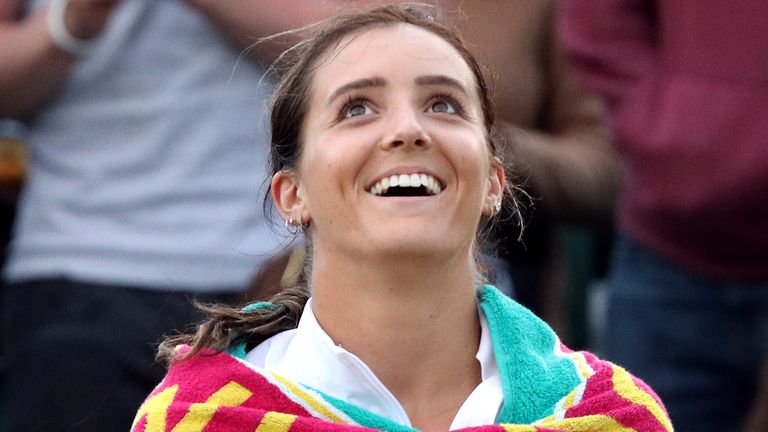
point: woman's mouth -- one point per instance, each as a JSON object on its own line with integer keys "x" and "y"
{"x": 415, "y": 184}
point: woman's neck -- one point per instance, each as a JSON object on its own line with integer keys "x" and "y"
{"x": 414, "y": 323}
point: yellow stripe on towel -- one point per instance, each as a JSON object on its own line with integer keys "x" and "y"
{"x": 588, "y": 423}
{"x": 518, "y": 428}
{"x": 626, "y": 388}
{"x": 200, "y": 414}
{"x": 309, "y": 400}
{"x": 156, "y": 410}
{"x": 276, "y": 422}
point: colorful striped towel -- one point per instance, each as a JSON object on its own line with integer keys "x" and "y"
{"x": 547, "y": 388}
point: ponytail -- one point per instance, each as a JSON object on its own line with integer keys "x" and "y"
{"x": 228, "y": 326}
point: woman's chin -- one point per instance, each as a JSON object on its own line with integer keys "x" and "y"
{"x": 409, "y": 246}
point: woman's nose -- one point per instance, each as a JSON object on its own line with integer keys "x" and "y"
{"x": 406, "y": 129}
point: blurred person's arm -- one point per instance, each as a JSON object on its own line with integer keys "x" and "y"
{"x": 248, "y": 21}
{"x": 31, "y": 64}
{"x": 560, "y": 149}
{"x": 611, "y": 42}
{"x": 572, "y": 163}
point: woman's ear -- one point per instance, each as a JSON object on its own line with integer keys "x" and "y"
{"x": 496, "y": 187}
{"x": 287, "y": 196}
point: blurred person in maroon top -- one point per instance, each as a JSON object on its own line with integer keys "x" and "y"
{"x": 687, "y": 89}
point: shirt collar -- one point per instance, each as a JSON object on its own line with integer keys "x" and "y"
{"x": 308, "y": 355}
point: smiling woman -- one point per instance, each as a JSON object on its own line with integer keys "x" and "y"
{"x": 390, "y": 174}
{"x": 412, "y": 110}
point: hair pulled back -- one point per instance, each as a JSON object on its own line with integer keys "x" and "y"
{"x": 295, "y": 68}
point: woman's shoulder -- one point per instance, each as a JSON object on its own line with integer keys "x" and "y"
{"x": 546, "y": 382}
{"x": 606, "y": 397}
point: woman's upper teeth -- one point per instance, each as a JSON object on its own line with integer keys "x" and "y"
{"x": 431, "y": 184}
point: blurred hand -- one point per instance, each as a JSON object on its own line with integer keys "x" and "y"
{"x": 86, "y": 19}
{"x": 757, "y": 421}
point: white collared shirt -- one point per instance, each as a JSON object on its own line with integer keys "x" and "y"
{"x": 308, "y": 355}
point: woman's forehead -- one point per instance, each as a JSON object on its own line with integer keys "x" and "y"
{"x": 401, "y": 51}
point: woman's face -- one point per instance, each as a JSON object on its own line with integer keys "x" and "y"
{"x": 395, "y": 161}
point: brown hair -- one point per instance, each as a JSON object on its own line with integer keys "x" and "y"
{"x": 295, "y": 67}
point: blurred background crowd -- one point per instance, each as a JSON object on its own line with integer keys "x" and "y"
{"x": 133, "y": 148}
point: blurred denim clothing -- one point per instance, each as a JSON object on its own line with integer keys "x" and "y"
{"x": 81, "y": 355}
{"x": 698, "y": 341}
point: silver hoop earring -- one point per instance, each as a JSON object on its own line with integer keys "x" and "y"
{"x": 498, "y": 206}
{"x": 291, "y": 226}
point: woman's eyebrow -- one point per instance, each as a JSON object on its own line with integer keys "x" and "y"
{"x": 356, "y": 85}
{"x": 442, "y": 80}
{"x": 426, "y": 80}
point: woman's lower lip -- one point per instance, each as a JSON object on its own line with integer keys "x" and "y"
{"x": 405, "y": 200}
{"x": 392, "y": 197}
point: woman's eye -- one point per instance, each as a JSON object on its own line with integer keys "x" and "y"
{"x": 443, "y": 107}
{"x": 357, "y": 109}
